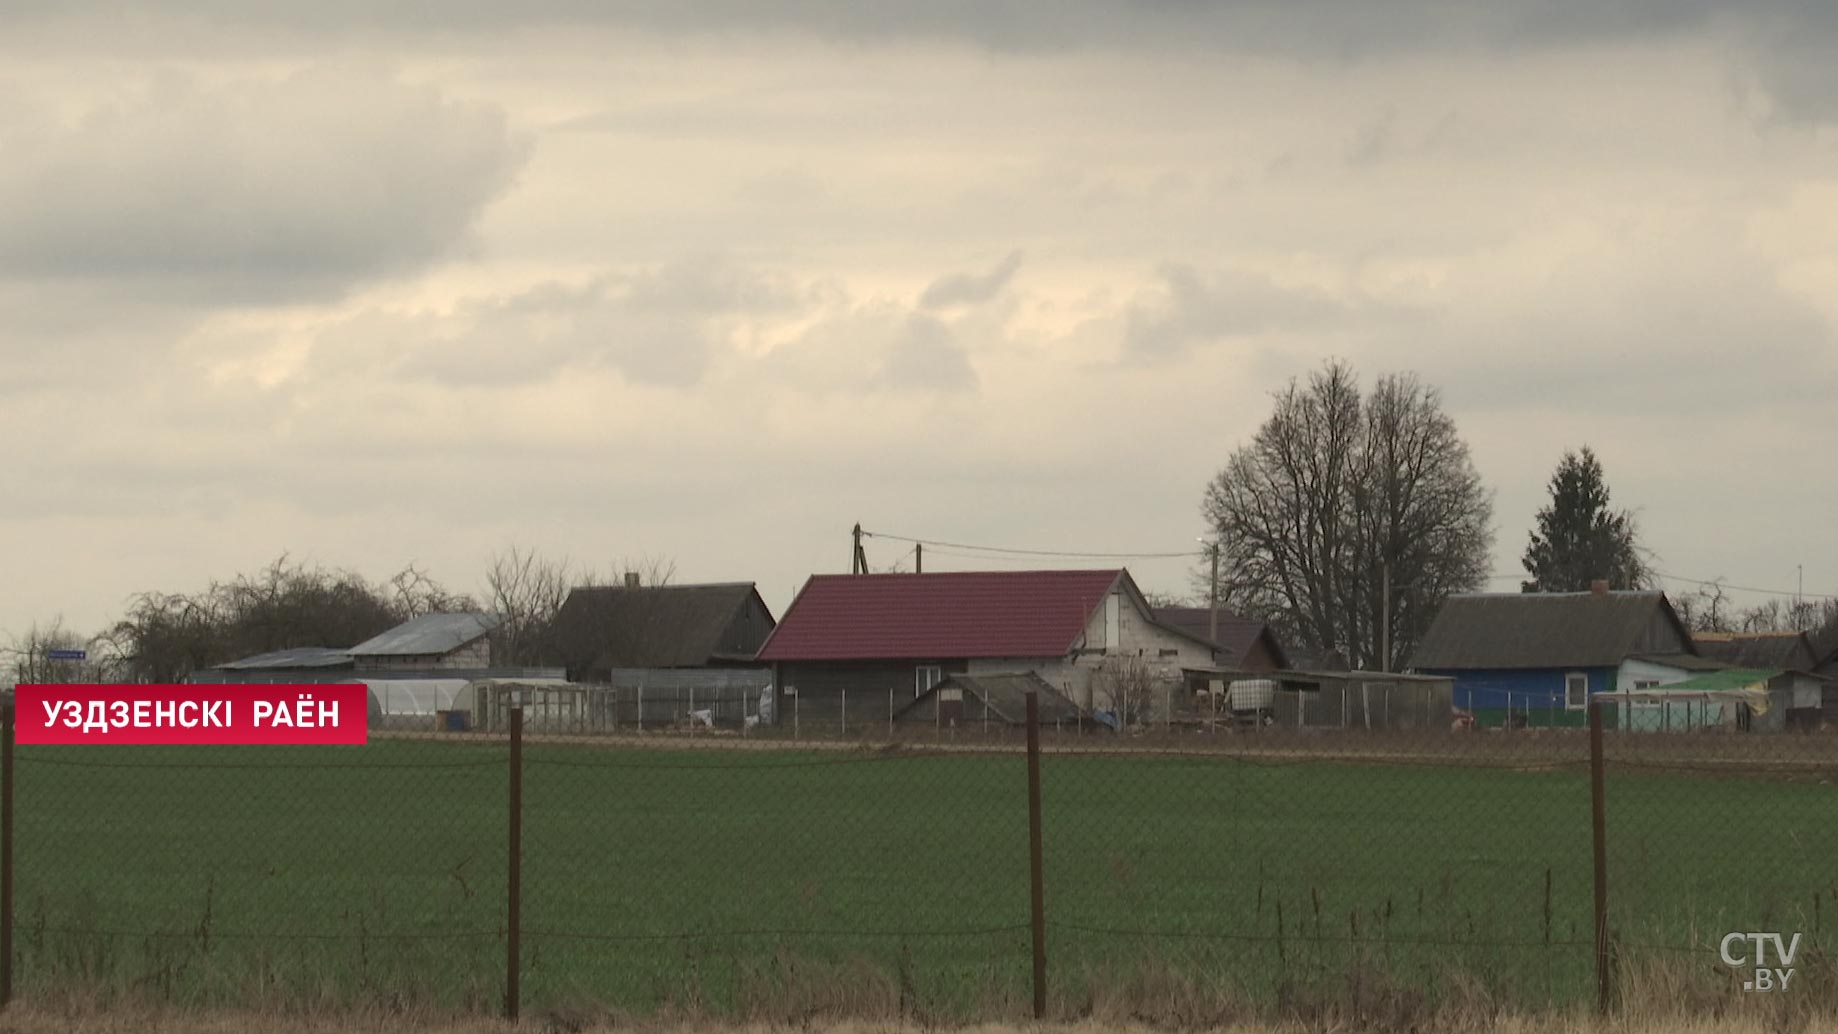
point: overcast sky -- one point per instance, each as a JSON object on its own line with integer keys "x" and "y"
{"x": 713, "y": 282}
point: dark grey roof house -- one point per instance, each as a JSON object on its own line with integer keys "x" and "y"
{"x": 1537, "y": 657}
{"x": 602, "y": 628}
{"x": 1550, "y": 629}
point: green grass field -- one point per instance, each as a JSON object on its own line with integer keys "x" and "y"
{"x": 713, "y": 878}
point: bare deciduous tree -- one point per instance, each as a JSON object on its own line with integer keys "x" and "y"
{"x": 411, "y": 592}
{"x": 526, "y": 592}
{"x": 1705, "y": 609}
{"x": 1340, "y": 492}
{"x": 166, "y": 636}
{"x": 1131, "y": 688}
{"x": 28, "y": 657}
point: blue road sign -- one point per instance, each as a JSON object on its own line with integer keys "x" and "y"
{"x": 67, "y": 655}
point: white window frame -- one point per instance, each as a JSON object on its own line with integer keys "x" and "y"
{"x": 1653, "y": 709}
{"x": 1569, "y": 678}
{"x": 925, "y": 676}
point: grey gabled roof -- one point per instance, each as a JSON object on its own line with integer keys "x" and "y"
{"x": 654, "y": 626}
{"x": 1545, "y": 630}
{"x": 428, "y": 635}
{"x": 1786, "y": 650}
{"x": 1237, "y": 634}
{"x": 298, "y": 657}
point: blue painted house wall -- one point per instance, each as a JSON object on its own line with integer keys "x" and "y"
{"x": 1534, "y": 694}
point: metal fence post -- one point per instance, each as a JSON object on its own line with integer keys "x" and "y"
{"x": 513, "y": 964}
{"x": 1036, "y": 873}
{"x": 6, "y": 855}
{"x": 1599, "y": 832}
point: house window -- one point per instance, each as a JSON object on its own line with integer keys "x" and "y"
{"x": 926, "y": 676}
{"x": 1166, "y": 652}
{"x": 1576, "y": 691}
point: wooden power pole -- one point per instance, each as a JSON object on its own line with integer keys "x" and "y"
{"x": 1212, "y": 598}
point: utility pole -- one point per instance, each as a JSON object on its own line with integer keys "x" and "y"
{"x": 1213, "y": 595}
{"x": 1385, "y": 618}
{"x": 918, "y": 558}
{"x": 857, "y": 562}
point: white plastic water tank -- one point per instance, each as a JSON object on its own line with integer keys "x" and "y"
{"x": 1251, "y": 695}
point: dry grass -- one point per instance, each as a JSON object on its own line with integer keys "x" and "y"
{"x": 27, "y": 1021}
{"x": 1663, "y": 998}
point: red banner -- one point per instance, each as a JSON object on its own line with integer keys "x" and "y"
{"x": 312, "y": 713}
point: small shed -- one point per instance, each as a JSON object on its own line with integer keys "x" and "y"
{"x": 992, "y": 699}
{"x": 1744, "y": 699}
{"x": 1362, "y": 700}
{"x": 430, "y": 642}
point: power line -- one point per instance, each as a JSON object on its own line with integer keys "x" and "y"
{"x": 981, "y": 558}
{"x": 1719, "y": 583}
{"x": 1146, "y": 555}
{"x": 981, "y": 552}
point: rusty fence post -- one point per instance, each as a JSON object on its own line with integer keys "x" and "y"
{"x": 6, "y": 855}
{"x": 513, "y": 900}
{"x": 1598, "y": 821}
{"x": 1036, "y": 870}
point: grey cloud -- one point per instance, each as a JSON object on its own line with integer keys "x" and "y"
{"x": 1680, "y": 328}
{"x": 664, "y": 326}
{"x": 970, "y": 288}
{"x": 1334, "y": 26}
{"x": 555, "y": 329}
{"x": 927, "y": 357}
{"x": 1786, "y": 42}
{"x": 1193, "y": 309}
{"x": 709, "y": 286}
{"x": 1328, "y": 28}
{"x": 251, "y": 191}
{"x": 877, "y": 346}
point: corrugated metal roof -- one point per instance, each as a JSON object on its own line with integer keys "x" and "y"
{"x": 938, "y": 616}
{"x": 1759, "y": 649}
{"x": 428, "y": 635}
{"x": 1542, "y": 630}
{"x": 658, "y": 626}
{"x": 298, "y": 657}
{"x": 1237, "y": 634}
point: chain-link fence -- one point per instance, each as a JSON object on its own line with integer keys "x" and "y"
{"x": 548, "y": 856}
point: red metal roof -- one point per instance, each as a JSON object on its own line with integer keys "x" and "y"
{"x": 844, "y": 617}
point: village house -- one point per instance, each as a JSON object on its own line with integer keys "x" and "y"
{"x": 1537, "y": 658}
{"x": 879, "y": 641}
{"x": 601, "y": 629}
